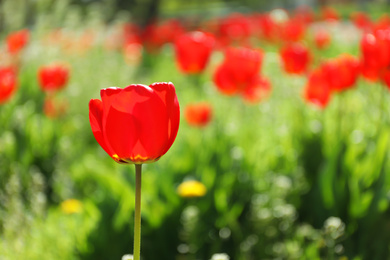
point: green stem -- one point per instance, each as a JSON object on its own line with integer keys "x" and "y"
{"x": 137, "y": 214}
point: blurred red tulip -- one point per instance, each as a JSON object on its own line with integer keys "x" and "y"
{"x": 198, "y": 114}
{"x": 361, "y": 20}
{"x": 235, "y": 28}
{"x": 156, "y": 35}
{"x": 54, "y": 108}
{"x": 329, "y": 14}
{"x": 131, "y": 34}
{"x": 342, "y": 72}
{"x": 193, "y": 50}
{"x": 322, "y": 39}
{"x": 268, "y": 27}
{"x": 16, "y": 41}
{"x": 136, "y": 124}
{"x": 386, "y": 78}
{"x": 133, "y": 53}
{"x": 305, "y": 14}
{"x": 295, "y": 58}
{"x": 317, "y": 90}
{"x": 240, "y": 67}
{"x": 8, "y": 82}
{"x": 53, "y": 77}
{"x": 382, "y": 23}
{"x": 375, "y": 49}
{"x": 292, "y": 30}
{"x": 258, "y": 90}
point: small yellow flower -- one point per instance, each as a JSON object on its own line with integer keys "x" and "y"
{"x": 191, "y": 188}
{"x": 71, "y": 206}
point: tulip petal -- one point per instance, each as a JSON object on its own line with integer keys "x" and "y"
{"x": 167, "y": 94}
{"x": 95, "y": 119}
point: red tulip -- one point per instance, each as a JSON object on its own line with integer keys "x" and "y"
{"x": 295, "y": 58}
{"x": 361, "y": 20}
{"x": 235, "y": 28}
{"x": 136, "y": 124}
{"x": 292, "y": 30}
{"x": 375, "y": 50}
{"x": 258, "y": 90}
{"x": 53, "y": 77}
{"x": 193, "y": 51}
{"x": 7, "y": 83}
{"x": 240, "y": 67}
{"x": 156, "y": 35}
{"x": 322, "y": 39}
{"x": 198, "y": 114}
{"x": 386, "y": 78}
{"x": 268, "y": 27}
{"x": 342, "y": 72}
{"x": 382, "y": 23}
{"x": 53, "y": 107}
{"x": 317, "y": 90}
{"x": 305, "y": 14}
{"x": 17, "y": 40}
{"x": 329, "y": 14}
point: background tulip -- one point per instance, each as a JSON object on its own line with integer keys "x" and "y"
{"x": 342, "y": 72}
{"x": 7, "y": 83}
{"x": 17, "y": 40}
{"x": 375, "y": 49}
{"x": 193, "y": 51}
{"x": 198, "y": 114}
{"x": 240, "y": 67}
{"x": 295, "y": 58}
{"x": 53, "y": 77}
{"x": 136, "y": 124}
{"x": 317, "y": 90}
{"x": 322, "y": 39}
{"x": 258, "y": 90}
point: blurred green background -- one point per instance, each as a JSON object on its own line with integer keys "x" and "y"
{"x": 284, "y": 180}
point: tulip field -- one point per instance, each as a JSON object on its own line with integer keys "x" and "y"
{"x": 258, "y": 135}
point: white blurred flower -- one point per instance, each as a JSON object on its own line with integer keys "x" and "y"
{"x": 222, "y": 256}
{"x": 334, "y": 227}
{"x": 127, "y": 257}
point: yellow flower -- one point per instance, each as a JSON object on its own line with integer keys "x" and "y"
{"x": 191, "y": 188}
{"x": 71, "y": 206}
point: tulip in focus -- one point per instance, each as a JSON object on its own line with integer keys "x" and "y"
{"x": 191, "y": 188}
{"x": 53, "y": 77}
{"x": 8, "y": 83}
{"x": 136, "y": 124}
{"x": 295, "y": 58}
{"x": 198, "y": 114}
{"x": 193, "y": 51}
{"x": 16, "y": 41}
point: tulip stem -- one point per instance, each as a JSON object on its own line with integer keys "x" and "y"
{"x": 137, "y": 214}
